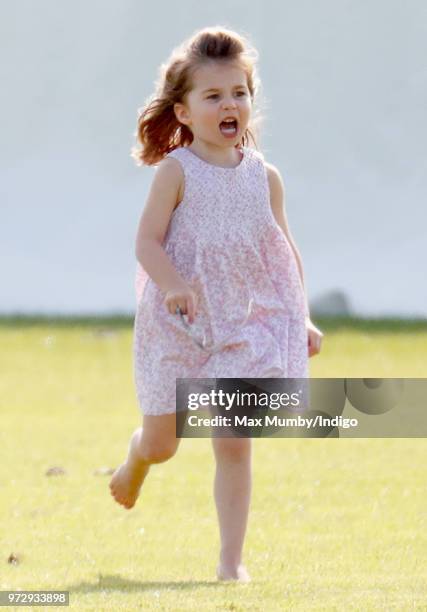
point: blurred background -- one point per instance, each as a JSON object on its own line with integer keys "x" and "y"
{"x": 344, "y": 94}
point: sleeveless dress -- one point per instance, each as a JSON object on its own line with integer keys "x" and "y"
{"x": 224, "y": 241}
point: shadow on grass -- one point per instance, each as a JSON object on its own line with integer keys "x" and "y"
{"x": 117, "y": 583}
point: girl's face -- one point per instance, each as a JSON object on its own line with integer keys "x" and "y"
{"x": 220, "y": 91}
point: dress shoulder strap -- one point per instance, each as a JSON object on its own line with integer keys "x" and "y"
{"x": 178, "y": 153}
{"x": 184, "y": 158}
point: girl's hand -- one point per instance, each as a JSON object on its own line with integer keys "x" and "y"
{"x": 314, "y": 336}
{"x": 184, "y": 297}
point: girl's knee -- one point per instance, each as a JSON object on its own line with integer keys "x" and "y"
{"x": 156, "y": 451}
{"x": 232, "y": 449}
{"x": 158, "y": 441}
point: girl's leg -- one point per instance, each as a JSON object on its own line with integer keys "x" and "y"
{"x": 155, "y": 442}
{"x": 232, "y": 492}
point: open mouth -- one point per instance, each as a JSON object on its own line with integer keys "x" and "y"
{"x": 228, "y": 128}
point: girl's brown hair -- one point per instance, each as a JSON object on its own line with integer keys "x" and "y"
{"x": 159, "y": 131}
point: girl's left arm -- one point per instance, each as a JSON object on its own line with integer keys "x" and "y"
{"x": 277, "y": 201}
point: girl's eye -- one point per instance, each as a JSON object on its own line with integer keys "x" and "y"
{"x": 240, "y": 93}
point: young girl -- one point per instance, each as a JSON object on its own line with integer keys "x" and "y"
{"x": 213, "y": 244}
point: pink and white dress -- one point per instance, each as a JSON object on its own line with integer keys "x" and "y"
{"x": 224, "y": 241}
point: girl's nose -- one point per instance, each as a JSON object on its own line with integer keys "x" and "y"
{"x": 229, "y": 104}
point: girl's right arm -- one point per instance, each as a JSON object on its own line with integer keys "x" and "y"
{"x": 162, "y": 199}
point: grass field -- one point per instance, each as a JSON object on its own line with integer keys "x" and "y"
{"x": 335, "y": 524}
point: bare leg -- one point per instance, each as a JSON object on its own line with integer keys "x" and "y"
{"x": 155, "y": 442}
{"x": 232, "y": 492}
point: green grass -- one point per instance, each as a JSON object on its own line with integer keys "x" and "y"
{"x": 335, "y": 524}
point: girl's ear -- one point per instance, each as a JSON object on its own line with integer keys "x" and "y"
{"x": 181, "y": 113}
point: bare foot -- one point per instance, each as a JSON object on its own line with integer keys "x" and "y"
{"x": 126, "y": 481}
{"x": 238, "y": 574}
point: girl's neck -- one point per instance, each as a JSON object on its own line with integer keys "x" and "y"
{"x": 218, "y": 156}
